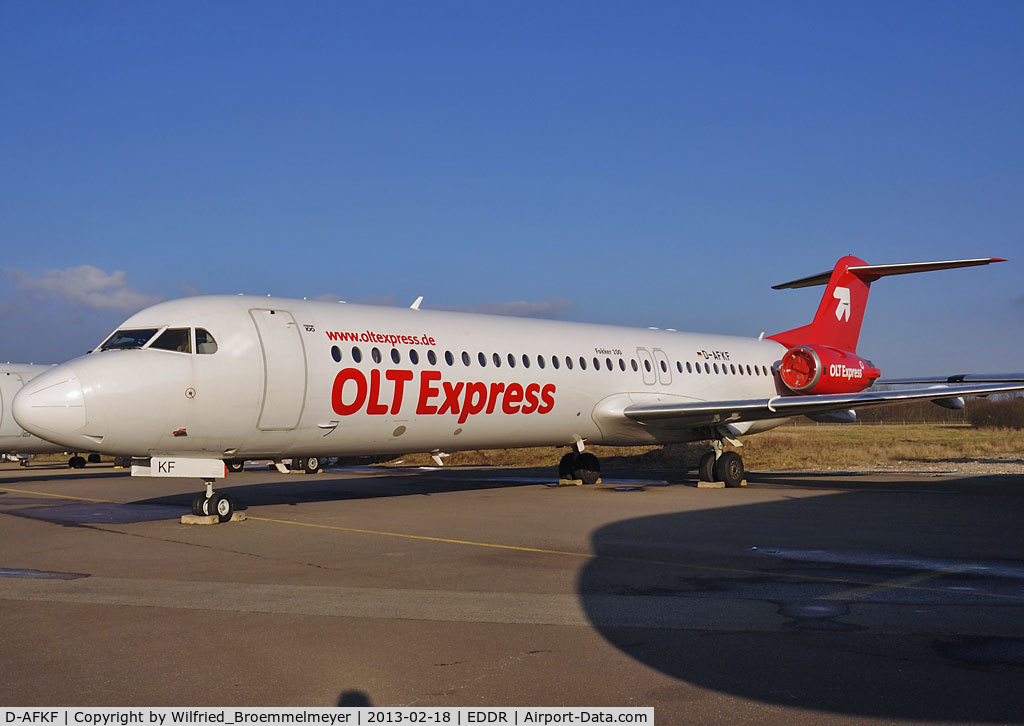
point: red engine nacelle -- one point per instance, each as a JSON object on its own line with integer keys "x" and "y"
{"x": 818, "y": 369}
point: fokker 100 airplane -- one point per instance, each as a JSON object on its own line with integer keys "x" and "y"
{"x": 191, "y": 384}
{"x": 16, "y": 443}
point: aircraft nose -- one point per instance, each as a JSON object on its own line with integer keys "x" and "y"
{"x": 52, "y": 405}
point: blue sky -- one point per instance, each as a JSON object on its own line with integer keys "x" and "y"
{"x": 648, "y": 164}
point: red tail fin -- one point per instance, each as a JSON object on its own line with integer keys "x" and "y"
{"x": 841, "y": 312}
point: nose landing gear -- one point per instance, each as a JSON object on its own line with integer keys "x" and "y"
{"x": 210, "y": 502}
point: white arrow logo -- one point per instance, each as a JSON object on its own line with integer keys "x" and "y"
{"x": 842, "y": 294}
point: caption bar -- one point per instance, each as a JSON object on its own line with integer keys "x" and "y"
{"x": 546, "y": 716}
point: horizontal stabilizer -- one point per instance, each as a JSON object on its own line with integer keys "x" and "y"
{"x": 870, "y": 273}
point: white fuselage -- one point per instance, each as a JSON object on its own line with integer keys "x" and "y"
{"x": 293, "y": 376}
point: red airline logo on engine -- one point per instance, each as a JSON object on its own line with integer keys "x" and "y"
{"x": 352, "y": 393}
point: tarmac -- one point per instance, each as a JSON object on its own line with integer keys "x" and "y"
{"x": 803, "y": 598}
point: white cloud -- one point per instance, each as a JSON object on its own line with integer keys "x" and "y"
{"x": 84, "y": 286}
{"x": 520, "y": 308}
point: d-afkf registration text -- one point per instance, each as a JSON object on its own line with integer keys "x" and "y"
{"x": 453, "y": 716}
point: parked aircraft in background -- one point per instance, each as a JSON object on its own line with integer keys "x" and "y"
{"x": 193, "y": 383}
{"x": 16, "y": 443}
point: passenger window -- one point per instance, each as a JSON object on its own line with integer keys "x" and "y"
{"x": 647, "y": 366}
{"x": 748, "y": 371}
{"x": 568, "y": 363}
{"x": 497, "y": 360}
{"x": 512, "y": 360}
{"x": 707, "y": 368}
{"x": 679, "y": 366}
{"x": 540, "y": 361}
{"x": 335, "y": 352}
{"x": 375, "y": 354}
{"x": 716, "y": 368}
{"x": 554, "y": 362}
{"x": 597, "y": 364}
{"x": 583, "y": 363}
{"x": 689, "y": 368}
{"x": 465, "y": 358}
{"x": 449, "y": 358}
{"x": 357, "y": 355}
{"x": 526, "y": 361}
{"x": 622, "y": 364}
{"x": 414, "y": 357}
{"x": 664, "y": 367}
{"x": 483, "y": 359}
{"x": 176, "y": 339}
{"x": 396, "y": 357}
{"x": 632, "y": 362}
{"x": 205, "y": 344}
{"x": 608, "y": 363}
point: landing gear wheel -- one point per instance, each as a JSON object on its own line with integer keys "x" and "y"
{"x": 706, "y": 467}
{"x": 200, "y": 505}
{"x": 235, "y": 465}
{"x": 76, "y": 462}
{"x": 311, "y": 464}
{"x": 94, "y": 458}
{"x": 587, "y": 469}
{"x": 567, "y": 465}
{"x": 220, "y": 504}
{"x": 729, "y": 469}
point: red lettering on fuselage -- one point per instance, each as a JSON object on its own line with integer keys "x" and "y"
{"x": 337, "y": 392}
{"x": 353, "y": 392}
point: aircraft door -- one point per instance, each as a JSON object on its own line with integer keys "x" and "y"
{"x": 663, "y": 366}
{"x": 284, "y": 369}
{"x": 647, "y": 366}
{"x": 10, "y": 384}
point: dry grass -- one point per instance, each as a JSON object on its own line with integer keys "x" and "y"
{"x": 913, "y": 447}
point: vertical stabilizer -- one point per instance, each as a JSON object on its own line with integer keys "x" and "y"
{"x": 840, "y": 313}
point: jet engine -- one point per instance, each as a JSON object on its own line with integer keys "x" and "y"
{"x": 820, "y": 369}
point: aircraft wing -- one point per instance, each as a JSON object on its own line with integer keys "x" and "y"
{"x": 721, "y": 412}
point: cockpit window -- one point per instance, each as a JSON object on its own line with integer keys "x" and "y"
{"x": 126, "y": 339}
{"x": 205, "y": 342}
{"x": 177, "y": 339}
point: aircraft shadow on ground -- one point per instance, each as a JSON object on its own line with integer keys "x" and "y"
{"x": 891, "y": 606}
{"x": 361, "y": 483}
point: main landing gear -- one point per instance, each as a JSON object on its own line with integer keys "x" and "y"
{"x": 580, "y": 465}
{"x": 78, "y": 462}
{"x": 720, "y": 465}
{"x": 211, "y": 502}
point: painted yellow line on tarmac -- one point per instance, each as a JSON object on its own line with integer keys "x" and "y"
{"x": 57, "y": 496}
{"x": 903, "y": 583}
{"x": 861, "y": 588}
{"x": 402, "y": 535}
